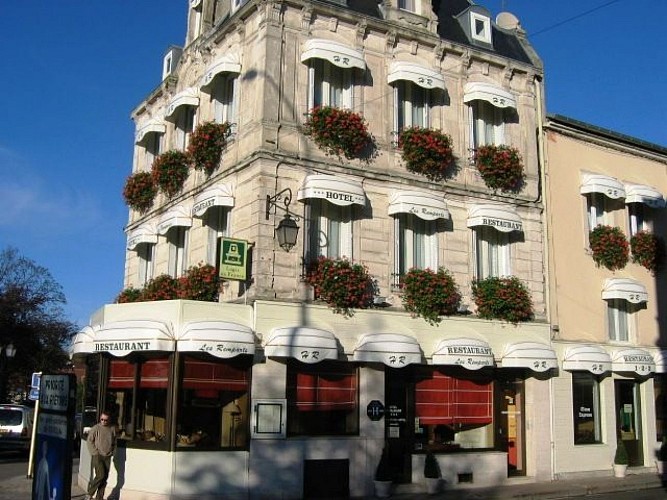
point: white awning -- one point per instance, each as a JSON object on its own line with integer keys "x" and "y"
{"x": 146, "y": 233}
{"x": 633, "y": 360}
{"x": 626, "y": 289}
{"x": 334, "y": 189}
{"x": 226, "y": 64}
{"x": 427, "y": 206}
{"x": 308, "y": 345}
{"x": 502, "y": 218}
{"x": 479, "y": 91}
{"x": 534, "y": 355}
{"x": 661, "y": 361}
{"x": 121, "y": 338}
{"x": 178, "y": 216}
{"x": 393, "y": 349}
{"x": 188, "y": 97}
{"x": 472, "y": 354}
{"x": 216, "y": 196}
{"x": 591, "y": 358}
{"x": 424, "y": 77}
{"x": 83, "y": 342}
{"x": 637, "y": 193}
{"x": 596, "y": 183}
{"x": 153, "y": 126}
{"x": 222, "y": 339}
{"x": 336, "y": 53}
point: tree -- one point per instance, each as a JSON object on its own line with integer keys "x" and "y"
{"x": 32, "y": 319}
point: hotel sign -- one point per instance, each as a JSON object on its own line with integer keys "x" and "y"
{"x": 233, "y": 259}
{"x": 339, "y": 197}
{"x": 428, "y": 213}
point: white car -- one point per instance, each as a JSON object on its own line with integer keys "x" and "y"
{"x": 15, "y": 427}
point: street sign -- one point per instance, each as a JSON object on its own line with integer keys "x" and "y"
{"x": 34, "y": 386}
{"x": 233, "y": 259}
{"x": 375, "y": 410}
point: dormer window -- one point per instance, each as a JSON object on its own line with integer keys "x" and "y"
{"x": 480, "y": 27}
{"x": 409, "y": 5}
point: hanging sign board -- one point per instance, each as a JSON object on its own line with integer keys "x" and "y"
{"x": 233, "y": 259}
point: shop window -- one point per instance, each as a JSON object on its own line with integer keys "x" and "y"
{"x": 223, "y": 96}
{"x": 146, "y": 255}
{"x": 586, "y": 408}
{"x": 136, "y": 399}
{"x": 492, "y": 252}
{"x": 660, "y": 392}
{"x": 487, "y": 124}
{"x": 620, "y": 319}
{"x": 410, "y": 105}
{"x": 417, "y": 244}
{"x": 329, "y": 85}
{"x": 322, "y": 400}
{"x": 177, "y": 238}
{"x": 213, "y": 410}
{"x": 216, "y": 220}
{"x": 453, "y": 412}
{"x": 184, "y": 124}
{"x": 329, "y": 230}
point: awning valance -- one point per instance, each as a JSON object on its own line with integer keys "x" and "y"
{"x": 637, "y": 193}
{"x": 146, "y": 233}
{"x": 153, "y": 126}
{"x": 178, "y": 216}
{"x": 626, "y": 289}
{"x": 633, "y": 360}
{"x": 660, "y": 361}
{"x": 591, "y": 358}
{"x": 393, "y": 349}
{"x": 502, "y": 218}
{"x": 121, "y": 338}
{"x": 226, "y": 64}
{"x": 479, "y": 91}
{"x": 336, "y": 53}
{"x": 596, "y": 183}
{"x": 216, "y": 196}
{"x": 222, "y": 339}
{"x": 334, "y": 189}
{"x": 419, "y": 75}
{"x": 427, "y": 206}
{"x": 308, "y": 345}
{"x": 188, "y": 97}
{"x": 472, "y": 354}
{"x": 84, "y": 341}
{"x": 534, "y": 355}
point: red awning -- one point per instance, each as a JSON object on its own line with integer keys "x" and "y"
{"x": 441, "y": 399}
{"x": 328, "y": 389}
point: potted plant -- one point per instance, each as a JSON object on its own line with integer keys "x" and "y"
{"x": 339, "y": 132}
{"x": 139, "y": 191}
{"x": 661, "y": 455}
{"x": 341, "y": 284}
{"x": 500, "y": 166}
{"x": 609, "y": 247}
{"x": 429, "y": 294}
{"x": 426, "y": 151}
{"x": 206, "y": 145}
{"x": 200, "y": 283}
{"x": 621, "y": 459}
{"x": 170, "y": 170}
{"x": 432, "y": 473}
{"x": 648, "y": 250}
{"x": 505, "y": 298}
{"x": 383, "y": 479}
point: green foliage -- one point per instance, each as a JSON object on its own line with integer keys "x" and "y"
{"x": 431, "y": 466}
{"x": 339, "y": 132}
{"x": 429, "y": 294}
{"x": 609, "y": 246}
{"x": 427, "y": 152}
{"x": 621, "y": 456}
{"x": 501, "y": 167}
{"x": 505, "y": 298}
{"x": 383, "y": 470}
{"x": 170, "y": 170}
{"x": 341, "y": 284}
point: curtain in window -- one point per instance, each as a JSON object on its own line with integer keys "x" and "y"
{"x": 121, "y": 374}
{"x": 154, "y": 374}
{"x": 326, "y": 390}
{"x": 214, "y": 376}
{"x": 441, "y": 399}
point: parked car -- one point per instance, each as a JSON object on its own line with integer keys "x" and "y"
{"x": 15, "y": 427}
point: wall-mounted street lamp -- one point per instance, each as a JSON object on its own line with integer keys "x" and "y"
{"x": 287, "y": 230}
{"x": 10, "y": 351}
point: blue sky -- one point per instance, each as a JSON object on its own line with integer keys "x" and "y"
{"x": 71, "y": 72}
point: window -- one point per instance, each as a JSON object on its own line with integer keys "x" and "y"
{"x": 660, "y": 392}
{"x": 487, "y": 124}
{"x": 151, "y": 148}
{"x": 184, "y": 125}
{"x": 586, "y": 408}
{"x": 480, "y": 27}
{"x": 329, "y": 85}
{"x": 216, "y": 221}
{"x": 620, "y": 319}
{"x": 639, "y": 219}
{"x": 213, "y": 409}
{"x": 136, "y": 398}
{"x": 146, "y": 255}
{"x": 416, "y": 244}
{"x": 453, "y": 412}
{"x": 409, "y": 5}
{"x": 596, "y": 208}
{"x": 492, "y": 252}
{"x": 223, "y": 92}
{"x": 411, "y": 105}
{"x": 177, "y": 237}
{"x": 323, "y": 399}
{"x": 196, "y": 17}
{"x": 329, "y": 230}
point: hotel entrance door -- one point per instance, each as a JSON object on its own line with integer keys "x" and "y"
{"x": 509, "y": 421}
{"x": 628, "y": 419}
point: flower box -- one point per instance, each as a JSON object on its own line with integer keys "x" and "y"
{"x": 341, "y": 284}
{"x": 500, "y": 166}
{"x": 170, "y": 170}
{"x": 648, "y": 250}
{"x": 430, "y": 294}
{"x": 609, "y": 247}
{"x": 427, "y": 152}
{"x": 505, "y": 298}
{"x": 139, "y": 191}
{"x": 206, "y": 145}
{"x": 339, "y": 132}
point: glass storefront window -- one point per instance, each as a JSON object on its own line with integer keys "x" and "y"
{"x": 213, "y": 403}
{"x": 322, "y": 399}
{"x": 452, "y": 412}
{"x": 586, "y": 408}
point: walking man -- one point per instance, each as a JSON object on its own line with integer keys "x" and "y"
{"x": 101, "y": 444}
